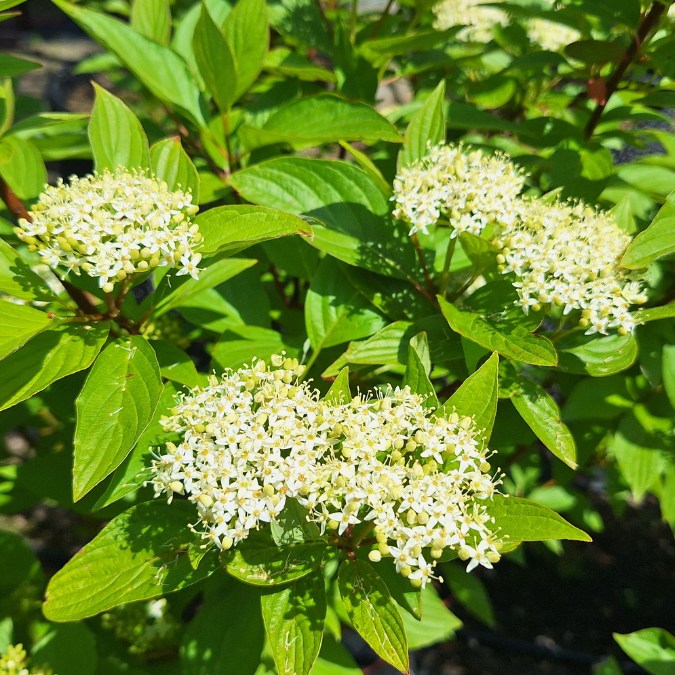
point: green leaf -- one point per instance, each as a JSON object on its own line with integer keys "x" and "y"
{"x": 438, "y": 623}
{"x": 523, "y": 520}
{"x": 115, "y": 405}
{"x": 335, "y": 312}
{"x": 215, "y": 61}
{"x": 638, "y": 453}
{"x": 339, "y": 391}
{"x": 247, "y": 35}
{"x": 158, "y": 67}
{"x": 214, "y": 643}
{"x": 655, "y": 242}
{"x": 406, "y": 595}
{"x": 292, "y": 526}
{"x": 417, "y": 370}
{"x": 232, "y": 228}
{"x": 117, "y": 137}
{"x": 595, "y": 51}
{"x": 11, "y": 66}
{"x": 48, "y": 357}
{"x": 373, "y": 612}
{"x": 542, "y": 415}
{"x": 22, "y": 167}
{"x": 294, "y": 618}
{"x": 176, "y": 365}
{"x": 477, "y": 397}
{"x": 260, "y": 562}
{"x": 138, "y": 555}
{"x": 334, "y": 659}
{"x": 326, "y": 118}
{"x": 352, "y": 210}
{"x": 651, "y": 648}
{"x": 427, "y": 127}
{"x": 509, "y": 338}
{"x": 669, "y": 372}
{"x": 595, "y": 356}
{"x": 18, "y": 324}
{"x": 598, "y": 398}
{"x": 173, "y": 165}
{"x": 17, "y": 561}
{"x": 152, "y": 18}
{"x": 655, "y": 313}
{"x": 186, "y": 289}
{"x": 18, "y": 279}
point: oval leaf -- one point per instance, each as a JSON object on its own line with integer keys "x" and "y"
{"x": 140, "y": 554}
{"x": 427, "y": 127}
{"x": 18, "y": 324}
{"x": 373, "y": 612}
{"x": 294, "y": 619}
{"x": 115, "y": 405}
{"x": 117, "y": 137}
{"x": 173, "y": 165}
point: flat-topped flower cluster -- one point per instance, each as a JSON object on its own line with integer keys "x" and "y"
{"x": 258, "y": 436}
{"x": 561, "y": 254}
{"x": 113, "y": 225}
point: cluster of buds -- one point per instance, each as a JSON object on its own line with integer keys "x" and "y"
{"x": 15, "y": 661}
{"x": 258, "y": 437}
{"x": 561, "y": 254}
{"x": 113, "y": 225}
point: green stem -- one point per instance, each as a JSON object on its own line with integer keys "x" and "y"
{"x": 445, "y": 274}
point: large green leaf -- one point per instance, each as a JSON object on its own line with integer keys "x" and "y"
{"x": 227, "y": 634}
{"x": 117, "y": 137}
{"x": 373, "y": 612}
{"x": 438, "y": 623}
{"x": 215, "y": 61}
{"x": 22, "y": 167}
{"x": 520, "y": 519}
{"x": 655, "y": 242}
{"x": 67, "y": 648}
{"x": 18, "y": 324}
{"x": 11, "y": 66}
{"x": 339, "y": 391}
{"x": 158, "y": 67}
{"x": 18, "y": 279}
{"x": 260, "y": 562}
{"x": 115, "y": 405}
{"x": 233, "y": 228}
{"x": 173, "y": 165}
{"x": 326, "y": 118}
{"x": 247, "y": 35}
{"x": 335, "y": 312}
{"x": 477, "y": 397}
{"x": 542, "y": 414}
{"x": 294, "y": 617}
{"x": 427, "y": 127}
{"x": 350, "y": 207}
{"x": 507, "y": 337}
{"x": 140, "y": 554}
{"x": 48, "y": 357}
{"x": 597, "y": 356}
{"x": 655, "y": 313}
{"x": 153, "y": 19}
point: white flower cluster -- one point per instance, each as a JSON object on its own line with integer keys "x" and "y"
{"x": 551, "y": 35}
{"x": 467, "y": 187}
{"x": 478, "y": 19}
{"x": 568, "y": 255}
{"x": 563, "y": 254}
{"x": 113, "y": 225}
{"x": 258, "y": 437}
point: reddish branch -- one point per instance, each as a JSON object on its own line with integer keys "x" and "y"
{"x": 648, "y": 23}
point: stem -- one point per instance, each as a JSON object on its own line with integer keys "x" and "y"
{"x": 380, "y": 22}
{"x": 445, "y": 274}
{"x": 361, "y": 534}
{"x": 420, "y": 256}
{"x": 648, "y": 23}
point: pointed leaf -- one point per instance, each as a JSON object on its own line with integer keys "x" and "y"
{"x": 294, "y": 618}
{"x": 508, "y": 338}
{"x": 339, "y": 392}
{"x": 18, "y": 279}
{"x": 373, "y": 612}
{"x": 542, "y": 415}
{"x": 22, "y": 167}
{"x": 117, "y": 137}
{"x": 232, "y": 228}
{"x": 427, "y": 127}
{"x": 138, "y": 555}
{"x": 477, "y": 397}
{"x": 523, "y": 520}
{"x": 48, "y": 357}
{"x": 173, "y": 165}
{"x": 417, "y": 370}
{"x": 152, "y": 18}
